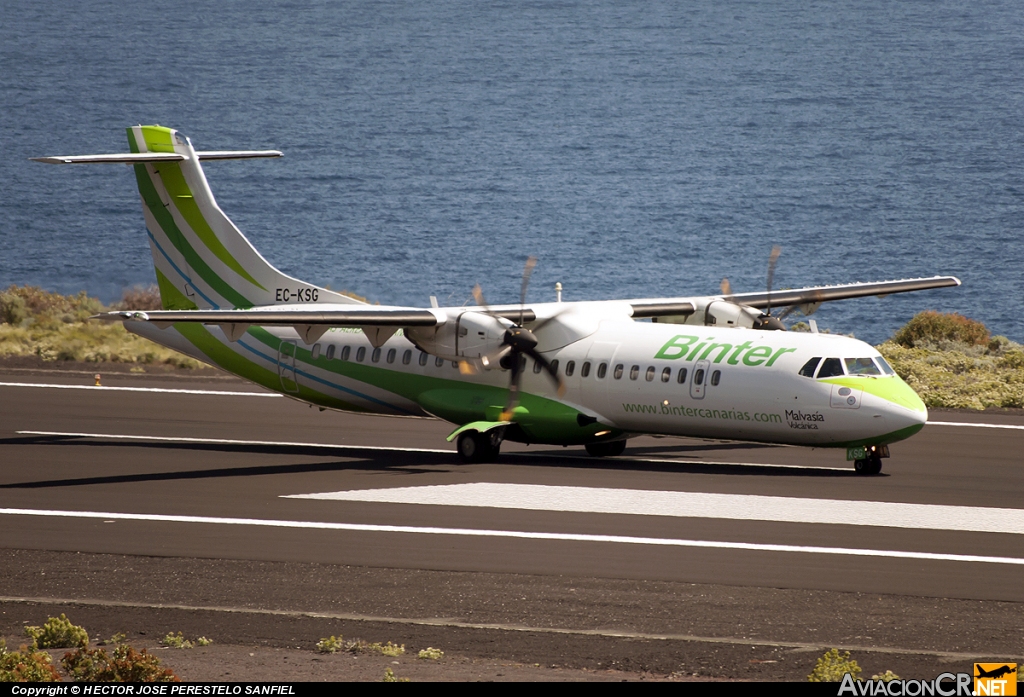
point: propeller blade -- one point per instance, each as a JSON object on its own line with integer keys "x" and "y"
{"x": 513, "y": 388}
{"x": 726, "y": 288}
{"x": 549, "y": 369}
{"x": 478, "y": 295}
{"x": 494, "y": 358}
{"x": 537, "y": 326}
{"x": 527, "y": 270}
{"x": 773, "y": 259}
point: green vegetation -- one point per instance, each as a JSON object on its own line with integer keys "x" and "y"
{"x": 125, "y": 665}
{"x": 833, "y": 666}
{"x": 333, "y": 644}
{"x": 26, "y": 665}
{"x": 176, "y": 641}
{"x": 58, "y": 633}
{"x": 951, "y": 361}
{"x": 389, "y": 676}
{"x": 57, "y": 327}
{"x": 83, "y": 665}
{"x": 330, "y": 644}
{"x": 432, "y": 654}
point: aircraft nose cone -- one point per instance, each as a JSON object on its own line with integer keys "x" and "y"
{"x": 905, "y": 413}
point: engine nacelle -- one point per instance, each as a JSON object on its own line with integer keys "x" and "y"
{"x": 719, "y": 313}
{"x": 470, "y": 336}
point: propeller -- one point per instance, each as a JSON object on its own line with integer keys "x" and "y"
{"x": 517, "y": 342}
{"x": 766, "y": 321}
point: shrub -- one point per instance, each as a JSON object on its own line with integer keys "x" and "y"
{"x": 931, "y": 328}
{"x": 886, "y": 676}
{"x": 126, "y": 665}
{"x": 26, "y": 665}
{"x": 140, "y": 298}
{"x": 330, "y": 644}
{"x": 58, "y": 633}
{"x": 832, "y": 667}
{"x": 203, "y": 641}
{"x": 431, "y": 653}
{"x": 389, "y": 676}
{"x": 176, "y": 641}
{"x": 12, "y": 308}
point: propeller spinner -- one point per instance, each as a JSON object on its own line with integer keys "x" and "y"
{"x": 517, "y": 343}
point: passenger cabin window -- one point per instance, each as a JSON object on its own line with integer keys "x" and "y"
{"x": 861, "y": 366}
{"x": 361, "y": 354}
{"x": 666, "y": 375}
{"x": 537, "y": 367}
{"x": 585, "y": 370}
{"x": 346, "y": 351}
{"x": 698, "y": 377}
{"x": 391, "y": 355}
{"x": 439, "y": 361}
{"x": 602, "y": 370}
{"x": 808, "y": 370}
{"x": 554, "y": 367}
{"x": 570, "y": 368}
{"x": 634, "y": 372}
{"x": 716, "y": 377}
{"x": 830, "y": 368}
{"x": 651, "y": 370}
{"x": 315, "y": 353}
{"x": 681, "y": 377}
{"x": 618, "y": 372}
{"x": 424, "y": 357}
{"x": 407, "y": 357}
{"x": 330, "y": 352}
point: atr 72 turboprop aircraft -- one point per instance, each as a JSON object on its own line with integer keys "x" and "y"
{"x": 702, "y": 367}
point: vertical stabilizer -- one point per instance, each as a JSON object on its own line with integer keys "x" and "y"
{"x": 202, "y": 260}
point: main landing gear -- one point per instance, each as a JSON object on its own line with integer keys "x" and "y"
{"x": 609, "y": 449}
{"x": 474, "y": 446}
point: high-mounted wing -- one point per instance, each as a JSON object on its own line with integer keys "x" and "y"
{"x": 808, "y": 299}
{"x": 820, "y": 294}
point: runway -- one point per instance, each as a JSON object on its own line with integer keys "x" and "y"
{"x": 213, "y": 472}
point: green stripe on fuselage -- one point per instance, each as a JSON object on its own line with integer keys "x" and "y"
{"x": 890, "y": 388}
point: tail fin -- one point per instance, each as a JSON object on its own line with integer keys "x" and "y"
{"x": 202, "y": 260}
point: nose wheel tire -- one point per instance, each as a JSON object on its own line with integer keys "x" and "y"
{"x": 474, "y": 446}
{"x": 868, "y": 466}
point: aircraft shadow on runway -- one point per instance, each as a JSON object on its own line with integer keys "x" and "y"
{"x": 368, "y": 459}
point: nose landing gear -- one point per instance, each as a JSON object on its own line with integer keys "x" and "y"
{"x": 869, "y": 465}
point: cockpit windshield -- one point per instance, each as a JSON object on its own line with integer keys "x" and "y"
{"x": 861, "y": 366}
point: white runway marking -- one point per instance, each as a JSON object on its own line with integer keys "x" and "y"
{"x": 972, "y": 425}
{"x": 556, "y": 536}
{"x": 684, "y": 504}
{"x": 228, "y": 441}
{"x": 225, "y": 393}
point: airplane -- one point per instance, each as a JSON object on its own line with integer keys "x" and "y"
{"x": 590, "y": 374}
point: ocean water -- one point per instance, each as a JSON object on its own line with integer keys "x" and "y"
{"x": 637, "y": 149}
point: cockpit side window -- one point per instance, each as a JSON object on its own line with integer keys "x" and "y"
{"x": 886, "y": 368}
{"x": 808, "y": 370}
{"x": 861, "y": 366}
{"x": 830, "y": 368}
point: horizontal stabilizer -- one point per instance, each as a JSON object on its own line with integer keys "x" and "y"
{"x": 132, "y": 158}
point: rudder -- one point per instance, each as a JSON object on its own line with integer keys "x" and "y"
{"x": 202, "y": 260}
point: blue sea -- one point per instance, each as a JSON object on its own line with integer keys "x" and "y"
{"x": 637, "y": 149}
